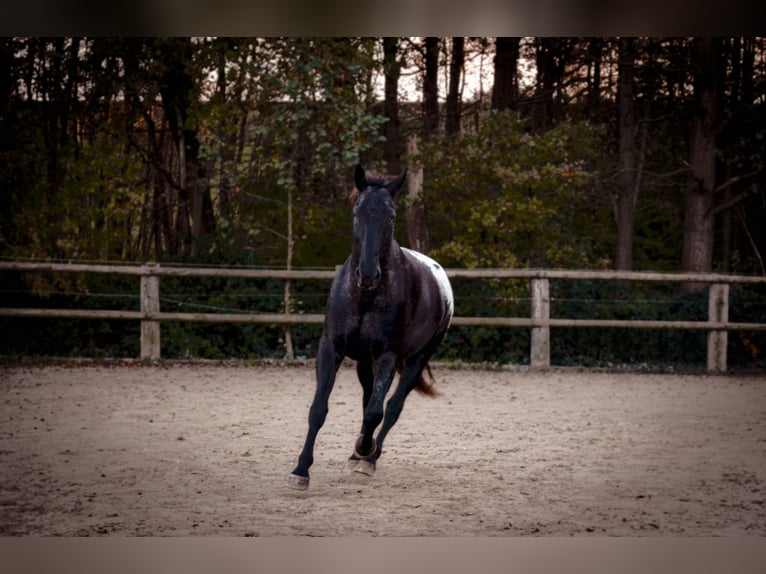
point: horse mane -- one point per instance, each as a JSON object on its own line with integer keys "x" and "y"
{"x": 374, "y": 179}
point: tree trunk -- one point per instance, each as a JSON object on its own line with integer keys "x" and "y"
{"x": 417, "y": 230}
{"x": 288, "y": 305}
{"x": 747, "y": 92}
{"x": 7, "y": 74}
{"x": 742, "y": 55}
{"x": 158, "y": 217}
{"x": 505, "y": 90}
{"x": 225, "y": 148}
{"x": 452, "y": 120}
{"x": 627, "y": 191}
{"x": 392, "y": 67}
{"x": 595, "y": 49}
{"x": 697, "y": 253}
{"x": 431, "y": 88}
{"x": 542, "y": 108}
{"x": 183, "y": 227}
{"x": 176, "y": 86}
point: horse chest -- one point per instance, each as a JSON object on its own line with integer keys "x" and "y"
{"x": 372, "y": 333}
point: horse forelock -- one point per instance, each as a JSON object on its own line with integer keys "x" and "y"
{"x": 374, "y": 180}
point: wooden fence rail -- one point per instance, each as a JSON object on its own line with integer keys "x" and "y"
{"x": 539, "y": 322}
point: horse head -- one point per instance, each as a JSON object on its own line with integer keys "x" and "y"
{"x": 374, "y": 215}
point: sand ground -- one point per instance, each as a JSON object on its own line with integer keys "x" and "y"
{"x": 190, "y": 449}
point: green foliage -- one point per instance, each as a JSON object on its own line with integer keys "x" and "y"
{"x": 504, "y": 197}
{"x": 310, "y": 123}
{"x": 98, "y": 214}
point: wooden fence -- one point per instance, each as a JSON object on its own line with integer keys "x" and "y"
{"x": 539, "y": 322}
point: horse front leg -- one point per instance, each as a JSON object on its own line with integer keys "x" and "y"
{"x": 328, "y": 362}
{"x": 366, "y": 377}
{"x": 366, "y": 448}
{"x": 409, "y": 378}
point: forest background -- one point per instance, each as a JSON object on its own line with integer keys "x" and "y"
{"x": 597, "y": 152}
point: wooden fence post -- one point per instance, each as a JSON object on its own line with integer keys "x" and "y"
{"x": 540, "y": 348}
{"x": 717, "y": 341}
{"x": 150, "y": 330}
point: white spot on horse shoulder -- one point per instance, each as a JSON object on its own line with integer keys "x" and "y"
{"x": 439, "y": 274}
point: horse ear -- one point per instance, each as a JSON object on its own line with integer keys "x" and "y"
{"x": 360, "y": 180}
{"x": 395, "y": 185}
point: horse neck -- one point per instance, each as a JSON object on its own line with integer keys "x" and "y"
{"x": 390, "y": 256}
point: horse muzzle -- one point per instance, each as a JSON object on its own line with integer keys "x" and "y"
{"x": 367, "y": 281}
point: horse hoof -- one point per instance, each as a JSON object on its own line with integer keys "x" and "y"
{"x": 365, "y": 467}
{"x": 297, "y": 482}
{"x": 361, "y": 456}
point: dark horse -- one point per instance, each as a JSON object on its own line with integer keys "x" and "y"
{"x": 389, "y": 309}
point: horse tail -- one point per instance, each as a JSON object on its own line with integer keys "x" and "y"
{"x": 424, "y": 387}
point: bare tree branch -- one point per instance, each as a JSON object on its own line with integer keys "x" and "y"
{"x": 735, "y": 180}
{"x": 737, "y": 198}
{"x": 742, "y": 219}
